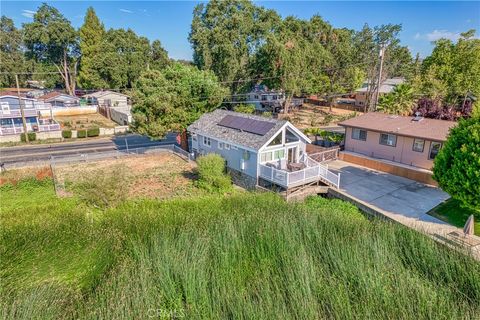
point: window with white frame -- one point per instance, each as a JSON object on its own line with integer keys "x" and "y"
{"x": 220, "y": 145}
{"x": 418, "y": 145}
{"x": 279, "y": 154}
{"x": 227, "y": 146}
{"x": 207, "y": 142}
{"x": 272, "y": 155}
{"x": 266, "y": 157}
{"x": 388, "y": 139}
{"x": 234, "y": 147}
{"x": 359, "y": 134}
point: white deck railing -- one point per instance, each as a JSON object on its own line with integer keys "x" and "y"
{"x": 313, "y": 171}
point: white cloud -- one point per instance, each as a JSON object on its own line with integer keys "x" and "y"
{"x": 440, "y": 34}
{"x": 28, "y": 13}
{"x": 437, "y": 35}
{"x": 126, "y": 10}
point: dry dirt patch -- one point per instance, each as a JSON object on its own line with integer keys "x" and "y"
{"x": 85, "y": 121}
{"x": 159, "y": 176}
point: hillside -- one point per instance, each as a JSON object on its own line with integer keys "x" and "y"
{"x": 240, "y": 256}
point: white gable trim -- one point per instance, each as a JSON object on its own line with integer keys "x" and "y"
{"x": 15, "y": 97}
{"x": 291, "y": 127}
{"x": 99, "y": 94}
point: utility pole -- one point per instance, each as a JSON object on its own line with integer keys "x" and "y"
{"x": 379, "y": 80}
{"x": 20, "y": 101}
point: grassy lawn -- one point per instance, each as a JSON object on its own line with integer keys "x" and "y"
{"x": 451, "y": 211}
{"x": 239, "y": 256}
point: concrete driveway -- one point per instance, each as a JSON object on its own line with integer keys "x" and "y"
{"x": 402, "y": 199}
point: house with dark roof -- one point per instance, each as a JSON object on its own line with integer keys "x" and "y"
{"x": 258, "y": 150}
{"x": 60, "y": 99}
{"x": 412, "y": 141}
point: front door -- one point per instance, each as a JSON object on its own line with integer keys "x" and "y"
{"x": 292, "y": 154}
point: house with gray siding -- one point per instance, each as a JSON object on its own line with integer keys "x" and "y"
{"x": 11, "y": 122}
{"x": 258, "y": 150}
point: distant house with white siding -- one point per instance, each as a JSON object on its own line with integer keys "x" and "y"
{"x": 121, "y": 115}
{"x": 108, "y": 98}
{"x": 265, "y": 99}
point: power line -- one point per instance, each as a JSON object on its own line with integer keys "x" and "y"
{"x": 198, "y": 99}
{"x": 221, "y": 82}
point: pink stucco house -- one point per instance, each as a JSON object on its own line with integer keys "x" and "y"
{"x": 412, "y": 141}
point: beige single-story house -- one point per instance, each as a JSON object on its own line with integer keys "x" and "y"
{"x": 108, "y": 98}
{"x": 412, "y": 141}
{"x": 387, "y": 86}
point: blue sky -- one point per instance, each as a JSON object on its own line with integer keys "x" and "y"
{"x": 169, "y": 21}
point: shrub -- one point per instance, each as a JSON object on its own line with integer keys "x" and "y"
{"x": 81, "y": 133}
{"x": 67, "y": 134}
{"x": 211, "y": 174}
{"x": 93, "y": 132}
{"x": 457, "y": 165}
{"x": 32, "y": 136}
{"x": 245, "y": 108}
{"x": 327, "y": 119}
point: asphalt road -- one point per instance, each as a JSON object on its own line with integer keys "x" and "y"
{"x": 26, "y": 153}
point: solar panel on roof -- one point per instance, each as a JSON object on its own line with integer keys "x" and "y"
{"x": 245, "y": 124}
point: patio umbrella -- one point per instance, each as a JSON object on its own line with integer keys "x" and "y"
{"x": 468, "y": 229}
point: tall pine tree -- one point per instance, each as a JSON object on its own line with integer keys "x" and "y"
{"x": 92, "y": 35}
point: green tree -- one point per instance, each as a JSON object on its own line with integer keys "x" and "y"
{"x": 398, "y": 61}
{"x": 50, "y": 38}
{"x": 293, "y": 57}
{"x": 400, "y": 101}
{"x": 92, "y": 35}
{"x": 125, "y": 56}
{"x": 457, "y": 165}
{"x": 159, "y": 56}
{"x": 226, "y": 34}
{"x": 11, "y": 55}
{"x": 452, "y": 71}
{"x": 171, "y": 99}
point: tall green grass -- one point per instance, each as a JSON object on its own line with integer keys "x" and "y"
{"x": 247, "y": 256}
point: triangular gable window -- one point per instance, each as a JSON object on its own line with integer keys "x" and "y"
{"x": 277, "y": 140}
{"x": 290, "y": 136}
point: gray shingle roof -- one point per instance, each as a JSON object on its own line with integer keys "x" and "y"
{"x": 208, "y": 125}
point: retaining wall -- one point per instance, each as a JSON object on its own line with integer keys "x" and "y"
{"x": 420, "y": 175}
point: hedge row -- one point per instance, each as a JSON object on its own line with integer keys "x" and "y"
{"x": 32, "y": 136}
{"x": 67, "y": 134}
{"x": 93, "y": 132}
